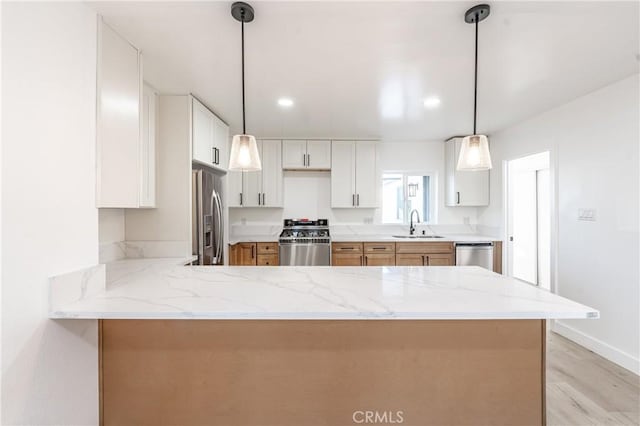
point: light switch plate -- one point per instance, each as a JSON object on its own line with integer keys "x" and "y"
{"x": 587, "y": 214}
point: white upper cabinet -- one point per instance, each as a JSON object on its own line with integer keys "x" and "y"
{"x": 209, "y": 136}
{"x": 262, "y": 188}
{"x": 148, "y": 147}
{"x": 318, "y": 155}
{"x": 463, "y": 188}
{"x": 119, "y": 125}
{"x": 354, "y": 174}
{"x": 306, "y": 154}
{"x": 294, "y": 154}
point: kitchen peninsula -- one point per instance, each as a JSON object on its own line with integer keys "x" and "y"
{"x": 313, "y": 345}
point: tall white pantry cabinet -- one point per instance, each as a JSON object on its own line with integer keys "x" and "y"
{"x": 125, "y": 126}
{"x": 354, "y": 174}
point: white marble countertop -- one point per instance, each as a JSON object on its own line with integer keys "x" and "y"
{"x": 164, "y": 289}
{"x": 337, "y": 238}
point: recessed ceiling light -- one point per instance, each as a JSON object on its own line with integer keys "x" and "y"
{"x": 285, "y": 102}
{"x": 432, "y": 102}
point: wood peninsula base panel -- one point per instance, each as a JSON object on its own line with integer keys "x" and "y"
{"x": 292, "y": 373}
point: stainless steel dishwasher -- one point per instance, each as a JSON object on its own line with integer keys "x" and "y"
{"x": 475, "y": 254}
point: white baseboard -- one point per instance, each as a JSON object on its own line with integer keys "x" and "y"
{"x": 603, "y": 349}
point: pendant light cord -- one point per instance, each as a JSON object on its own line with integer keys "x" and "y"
{"x": 244, "y": 127}
{"x": 475, "y": 83}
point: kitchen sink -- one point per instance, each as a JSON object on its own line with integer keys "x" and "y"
{"x": 417, "y": 236}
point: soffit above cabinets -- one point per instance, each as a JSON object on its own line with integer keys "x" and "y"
{"x": 365, "y": 71}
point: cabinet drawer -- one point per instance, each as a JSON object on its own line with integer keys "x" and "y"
{"x": 267, "y": 248}
{"x": 424, "y": 247}
{"x": 268, "y": 260}
{"x": 439, "y": 260}
{"x": 409, "y": 260}
{"x": 346, "y": 247}
{"x": 379, "y": 247}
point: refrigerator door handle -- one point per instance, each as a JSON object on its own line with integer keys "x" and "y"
{"x": 199, "y": 181}
{"x": 220, "y": 229}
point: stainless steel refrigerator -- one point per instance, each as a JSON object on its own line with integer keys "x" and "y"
{"x": 208, "y": 218}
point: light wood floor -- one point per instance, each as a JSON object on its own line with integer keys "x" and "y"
{"x": 585, "y": 389}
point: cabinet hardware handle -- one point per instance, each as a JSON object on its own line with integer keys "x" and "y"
{"x": 378, "y": 248}
{"x": 217, "y": 156}
{"x": 346, "y": 248}
{"x": 241, "y": 198}
{"x": 353, "y": 200}
{"x": 457, "y": 197}
{"x": 361, "y": 261}
{"x": 366, "y": 260}
{"x": 253, "y": 248}
{"x": 304, "y": 159}
{"x": 308, "y": 160}
{"x": 427, "y": 260}
{"x": 263, "y": 197}
{"x": 358, "y": 200}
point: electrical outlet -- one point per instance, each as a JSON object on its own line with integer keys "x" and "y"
{"x": 368, "y": 220}
{"x": 587, "y": 214}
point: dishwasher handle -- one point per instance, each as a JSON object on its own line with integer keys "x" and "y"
{"x": 477, "y": 244}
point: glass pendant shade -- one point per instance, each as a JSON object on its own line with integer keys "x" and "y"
{"x": 474, "y": 154}
{"x": 244, "y": 154}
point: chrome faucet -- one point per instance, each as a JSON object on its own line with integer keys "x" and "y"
{"x": 412, "y": 227}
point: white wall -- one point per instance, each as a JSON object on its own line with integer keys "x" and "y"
{"x": 308, "y": 194}
{"x": 111, "y": 225}
{"x": 49, "y": 219}
{"x": 593, "y": 142}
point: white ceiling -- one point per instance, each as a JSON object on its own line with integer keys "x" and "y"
{"x": 363, "y": 69}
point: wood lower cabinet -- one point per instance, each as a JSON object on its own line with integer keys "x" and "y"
{"x": 252, "y": 254}
{"x": 346, "y": 259}
{"x": 409, "y": 259}
{"x": 425, "y": 254}
{"x": 387, "y": 259}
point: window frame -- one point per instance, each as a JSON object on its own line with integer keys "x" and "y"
{"x": 433, "y": 189}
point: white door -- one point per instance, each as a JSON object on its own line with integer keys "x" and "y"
{"x": 366, "y": 174}
{"x": 203, "y": 133}
{"x": 272, "y": 179}
{"x": 234, "y": 188}
{"x": 148, "y": 148}
{"x": 294, "y": 154}
{"x": 343, "y": 177}
{"x": 529, "y": 219}
{"x": 252, "y": 185}
{"x": 118, "y": 121}
{"x": 319, "y": 155}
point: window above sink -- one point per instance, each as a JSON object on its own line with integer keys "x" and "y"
{"x": 403, "y": 192}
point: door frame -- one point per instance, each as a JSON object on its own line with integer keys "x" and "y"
{"x": 554, "y": 213}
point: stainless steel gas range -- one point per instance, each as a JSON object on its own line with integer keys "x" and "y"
{"x": 305, "y": 242}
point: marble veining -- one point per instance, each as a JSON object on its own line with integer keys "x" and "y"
{"x": 147, "y": 289}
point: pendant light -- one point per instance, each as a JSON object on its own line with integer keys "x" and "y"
{"x": 244, "y": 149}
{"x": 474, "y": 152}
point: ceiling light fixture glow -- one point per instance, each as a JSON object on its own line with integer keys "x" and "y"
{"x": 285, "y": 102}
{"x": 432, "y": 102}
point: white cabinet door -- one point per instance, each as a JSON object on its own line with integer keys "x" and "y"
{"x": 294, "y": 154}
{"x": 148, "y": 148}
{"x": 272, "y": 179}
{"x": 203, "y": 122}
{"x": 234, "y": 188}
{"x": 220, "y": 143}
{"x": 343, "y": 174}
{"x": 319, "y": 155}
{"x": 118, "y": 120}
{"x": 366, "y": 165}
{"x": 464, "y": 188}
{"x": 252, "y": 185}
